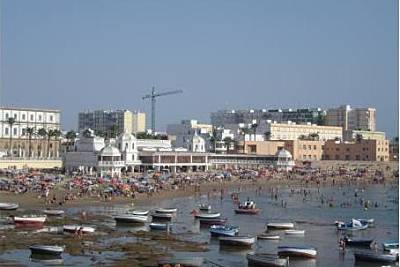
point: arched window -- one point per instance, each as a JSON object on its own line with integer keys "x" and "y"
{"x": 133, "y": 145}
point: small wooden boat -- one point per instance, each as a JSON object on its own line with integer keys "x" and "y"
{"x": 77, "y": 228}
{"x": 268, "y": 237}
{"x": 248, "y": 207}
{"x": 128, "y": 218}
{"x": 162, "y": 216}
{"x": 280, "y": 225}
{"x": 169, "y": 210}
{"x": 29, "y": 220}
{"x": 140, "y": 212}
{"x": 204, "y": 207}
{"x": 390, "y": 245}
{"x": 159, "y": 226}
{"x": 207, "y": 215}
{"x": 186, "y": 262}
{"x": 367, "y": 256}
{"x": 296, "y": 251}
{"x": 242, "y": 241}
{"x": 53, "y": 212}
{"x": 295, "y": 232}
{"x": 358, "y": 242}
{"x": 8, "y": 206}
{"x": 266, "y": 259}
{"x": 49, "y": 250}
{"x": 213, "y": 221}
{"x": 221, "y": 230}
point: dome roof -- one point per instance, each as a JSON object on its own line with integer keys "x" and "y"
{"x": 127, "y": 136}
{"x": 283, "y": 153}
{"x": 110, "y": 151}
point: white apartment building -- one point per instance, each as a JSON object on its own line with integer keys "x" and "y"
{"x": 352, "y": 118}
{"x": 27, "y": 117}
{"x": 292, "y": 131}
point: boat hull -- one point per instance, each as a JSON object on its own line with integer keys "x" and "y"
{"x": 280, "y": 226}
{"x": 247, "y": 211}
{"x": 207, "y": 222}
{"x": 269, "y": 237}
{"x": 207, "y": 215}
{"x": 9, "y": 206}
{"x": 373, "y": 257}
{"x": 29, "y": 221}
{"x": 131, "y": 219}
{"x": 75, "y": 228}
{"x": 297, "y": 252}
{"x": 237, "y": 241}
{"x": 47, "y": 250}
{"x": 266, "y": 260}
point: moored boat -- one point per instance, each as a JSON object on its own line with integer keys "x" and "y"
{"x": 128, "y": 218}
{"x": 268, "y": 237}
{"x": 169, "y": 210}
{"x": 204, "y": 207}
{"x": 390, "y": 245}
{"x": 266, "y": 259}
{"x": 8, "y": 206}
{"x": 162, "y": 216}
{"x": 53, "y": 212}
{"x": 357, "y": 242}
{"x": 367, "y": 256}
{"x": 77, "y": 228}
{"x": 248, "y": 207}
{"x": 370, "y": 222}
{"x": 29, "y": 220}
{"x": 246, "y": 241}
{"x": 223, "y": 230}
{"x": 49, "y": 250}
{"x": 280, "y": 225}
{"x": 213, "y": 221}
{"x": 207, "y": 215}
{"x": 140, "y": 212}
{"x": 295, "y": 232}
{"x": 186, "y": 262}
{"x": 353, "y": 225}
{"x": 159, "y": 226}
{"x": 297, "y": 251}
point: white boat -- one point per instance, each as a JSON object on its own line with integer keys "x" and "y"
{"x": 295, "y": 232}
{"x": 162, "y": 216}
{"x": 237, "y": 240}
{"x": 77, "y": 228}
{"x": 29, "y": 220}
{"x": 8, "y": 206}
{"x": 295, "y": 251}
{"x": 44, "y": 249}
{"x": 140, "y": 212}
{"x": 159, "y": 226}
{"x": 266, "y": 259}
{"x": 170, "y": 210}
{"x": 207, "y": 215}
{"x": 268, "y": 237}
{"x": 128, "y": 218}
{"x": 390, "y": 245}
{"x": 394, "y": 251}
{"x": 54, "y": 212}
{"x": 280, "y": 225}
{"x": 204, "y": 207}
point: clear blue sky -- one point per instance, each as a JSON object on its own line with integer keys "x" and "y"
{"x": 75, "y": 55}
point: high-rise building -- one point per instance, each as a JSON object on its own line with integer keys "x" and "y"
{"x": 106, "y": 121}
{"x": 138, "y": 122}
{"x": 352, "y": 118}
{"x": 226, "y": 118}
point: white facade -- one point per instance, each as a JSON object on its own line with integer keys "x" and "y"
{"x": 185, "y": 131}
{"x": 24, "y": 118}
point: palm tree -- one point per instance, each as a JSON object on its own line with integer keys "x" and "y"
{"x": 359, "y": 137}
{"x": 113, "y": 131}
{"x": 42, "y": 133}
{"x": 228, "y": 141}
{"x": 214, "y": 138}
{"x": 30, "y": 131}
{"x": 71, "y": 135}
{"x": 11, "y": 122}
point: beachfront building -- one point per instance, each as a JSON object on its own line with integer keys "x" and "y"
{"x": 227, "y": 118}
{"x": 29, "y": 138}
{"x": 352, "y": 135}
{"x": 184, "y": 133}
{"x": 112, "y": 122}
{"x": 293, "y": 131}
{"x": 284, "y": 160}
{"x": 259, "y": 147}
{"x": 364, "y": 150}
{"x": 352, "y": 118}
{"x": 305, "y": 150}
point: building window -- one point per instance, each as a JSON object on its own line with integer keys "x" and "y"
{"x": 7, "y": 116}
{"x": 40, "y": 117}
{"x": 15, "y": 131}
{"x": 304, "y": 147}
{"x": 31, "y": 117}
{"x": 15, "y": 116}
{"x": 23, "y": 116}
{"x": 6, "y": 131}
{"x": 23, "y": 131}
{"x": 51, "y": 118}
{"x": 315, "y": 147}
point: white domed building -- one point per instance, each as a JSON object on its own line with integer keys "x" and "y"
{"x": 284, "y": 161}
{"x": 110, "y": 162}
{"x": 127, "y": 145}
{"x": 197, "y": 144}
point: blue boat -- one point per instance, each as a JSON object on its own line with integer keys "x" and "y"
{"x": 223, "y": 230}
{"x": 353, "y": 225}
